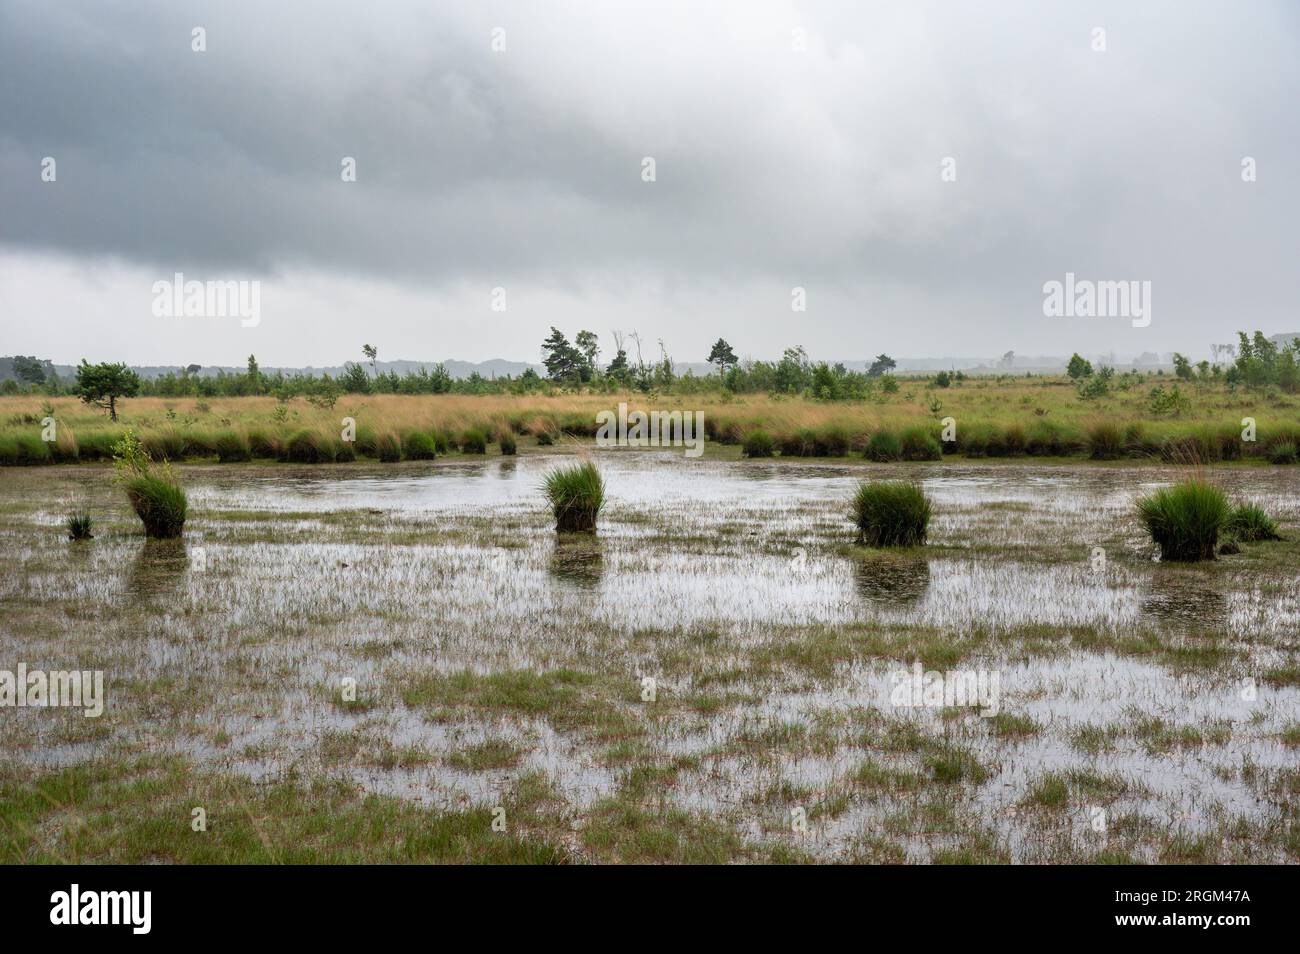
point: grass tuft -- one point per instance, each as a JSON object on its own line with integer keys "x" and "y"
{"x": 891, "y": 513}
{"x": 576, "y": 494}
{"x": 1184, "y": 520}
{"x": 79, "y": 525}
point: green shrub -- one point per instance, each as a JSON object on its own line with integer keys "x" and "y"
{"x": 79, "y": 525}
{"x": 919, "y": 444}
{"x": 506, "y": 438}
{"x": 759, "y": 444}
{"x": 1249, "y": 523}
{"x": 884, "y": 446}
{"x": 1184, "y": 520}
{"x": 420, "y": 446}
{"x": 232, "y": 446}
{"x": 1105, "y": 441}
{"x": 160, "y": 504}
{"x": 891, "y": 513}
{"x": 473, "y": 441}
{"x": 576, "y": 494}
{"x": 1283, "y": 452}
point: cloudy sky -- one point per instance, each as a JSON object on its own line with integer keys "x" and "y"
{"x": 794, "y": 144}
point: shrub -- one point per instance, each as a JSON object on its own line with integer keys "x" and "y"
{"x": 576, "y": 494}
{"x": 506, "y": 438}
{"x": 1249, "y": 523}
{"x": 79, "y": 525}
{"x": 473, "y": 441}
{"x": 919, "y": 444}
{"x": 759, "y": 444}
{"x": 1105, "y": 441}
{"x": 891, "y": 513}
{"x": 884, "y": 446}
{"x": 420, "y": 446}
{"x": 1184, "y": 520}
{"x": 232, "y": 446}
{"x": 1283, "y": 452}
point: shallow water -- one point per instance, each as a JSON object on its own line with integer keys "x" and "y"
{"x": 382, "y": 574}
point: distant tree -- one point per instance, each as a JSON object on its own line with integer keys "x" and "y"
{"x": 29, "y": 370}
{"x": 881, "y": 365}
{"x": 254, "y": 375}
{"x": 618, "y": 368}
{"x": 563, "y": 361}
{"x": 371, "y": 352}
{"x": 1182, "y": 367}
{"x": 793, "y": 373}
{"x": 722, "y": 356}
{"x": 354, "y": 379}
{"x": 942, "y": 380}
{"x": 193, "y": 368}
{"x": 1078, "y": 367}
{"x": 589, "y": 346}
{"x": 103, "y": 384}
{"x": 1008, "y": 360}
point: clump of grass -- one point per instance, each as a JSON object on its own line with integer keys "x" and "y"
{"x": 232, "y": 446}
{"x": 545, "y": 438}
{"x": 388, "y": 447}
{"x": 891, "y": 513}
{"x": 1184, "y": 520}
{"x": 157, "y": 499}
{"x": 919, "y": 444}
{"x": 79, "y": 525}
{"x": 759, "y": 444}
{"x": 309, "y": 447}
{"x": 884, "y": 446}
{"x": 473, "y": 441}
{"x": 1283, "y": 452}
{"x": 506, "y": 438}
{"x": 1249, "y": 523}
{"x": 420, "y": 446}
{"x": 576, "y": 494}
{"x": 1105, "y": 441}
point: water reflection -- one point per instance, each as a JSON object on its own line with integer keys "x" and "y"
{"x": 893, "y": 581}
{"x": 158, "y": 566}
{"x": 578, "y": 559}
{"x": 1188, "y": 601}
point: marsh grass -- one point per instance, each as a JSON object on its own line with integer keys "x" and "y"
{"x": 576, "y": 494}
{"x": 160, "y": 504}
{"x": 232, "y": 446}
{"x": 1249, "y": 523}
{"x": 79, "y": 525}
{"x": 891, "y": 513}
{"x": 1283, "y": 452}
{"x": 420, "y": 446}
{"x": 506, "y": 438}
{"x": 759, "y": 443}
{"x": 473, "y": 440}
{"x": 1185, "y": 520}
{"x": 884, "y": 446}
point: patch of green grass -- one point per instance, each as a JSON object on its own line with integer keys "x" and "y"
{"x": 160, "y": 504}
{"x": 1184, "y": 520}
{"x": 1249, "y": 523}
{"x": 489, "y": 754}
{"x": 890, "y": 513}
{"x": 140, "y": 812}
{"x": 576, "y": 494}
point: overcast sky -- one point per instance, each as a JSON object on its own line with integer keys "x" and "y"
{"x": 522, "y": 169}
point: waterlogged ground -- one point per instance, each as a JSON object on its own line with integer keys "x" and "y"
{"x": 1142, "y": 712}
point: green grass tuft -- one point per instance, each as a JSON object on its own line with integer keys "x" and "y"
{"x": 891, "y": 513}
{"x": 576, "y": 494}
{"x": 1184, "y": 520}
{"x": 79, "y": 525}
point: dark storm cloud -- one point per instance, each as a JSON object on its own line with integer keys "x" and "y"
{"x": 816, "y": 168}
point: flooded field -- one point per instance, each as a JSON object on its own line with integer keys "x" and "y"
{"x": 713, "y": 676}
